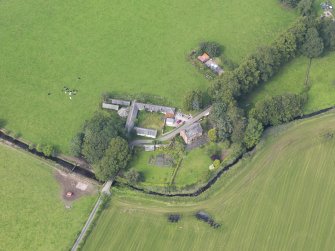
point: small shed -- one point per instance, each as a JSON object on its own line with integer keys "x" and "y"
{"x": 149, "y": 148}
{"x": 119, "y": 102}
{"x": 110, "y": 106}
{"x": 203, "y": 58}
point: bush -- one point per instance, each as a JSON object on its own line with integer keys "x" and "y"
{"x": 212, "y": 135}
{"x": 39, "y": 148}
{"x": 216, "y": 163}
{"x": 193, "y": 100}
{"x": 133, "y": 176}
{"x": 76, "y": 144}
{"x": 48, "y": 150}
{"x": 253, "y": 133}
{"x": 213, "y": 49}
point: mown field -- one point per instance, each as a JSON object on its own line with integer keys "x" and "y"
{"x": 117, "y": 46}
{"x": 33, "y": 215}
{"x": 292, "y": 78}
{"x": 280, "y": 198}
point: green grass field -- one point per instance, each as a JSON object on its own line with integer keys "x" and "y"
{"x": 116, "y": 46}
{"x": 292, "y": 78}
{"x": 194, "y": 168}
{"x": 33, "y": 215}
{"x": 154, "y": 175}
{"x": 280, "y": 198}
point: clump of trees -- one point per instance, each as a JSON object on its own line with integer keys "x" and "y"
{"x": 102, "y": 144}
{"x": 290, "y": 3}
{"x": 115, "y": 158}
{"x": 313, "y": 46}
{"x": 279, "y": 109}
{"x": 213, "y": 49}
{"x": 47, "y": 149}
{"x": 194, "y": 100}
{"x": 327, "y": 32}
{"x": 230, "y": 122}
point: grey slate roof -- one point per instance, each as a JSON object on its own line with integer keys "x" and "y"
{"x": 193, "y": 130}
{"x": 119, "y": 102}
{"x": 156, "y": 108}
{"x": 151, "y": 133}
{"x": 110, "y": 106}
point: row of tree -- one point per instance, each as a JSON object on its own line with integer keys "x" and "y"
{"x": 307, "y": 36}
{"x": 102, "y": 144}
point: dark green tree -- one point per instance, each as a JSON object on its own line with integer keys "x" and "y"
{"x": 76, "y": 144}
{"x": 305, "y": 7}
{"x": 211, "y": 48}
{"x": 193, "y": 100}
{"x": 313, "y": 46}
{"x": 115, "y": 158}
{"x": 99, "y": 131}
{"x": 327, "y": 32}
{"x": 253, "y": 133}
{"x": 290, "y": 3}
{"x": 221, "y": 121}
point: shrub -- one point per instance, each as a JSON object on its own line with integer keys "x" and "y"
{"x": 133, "y": 176}
{"x": 39, "y": 148}
{"x": 48, "y": 150}
{"x": 212, "y": 135}
{"x": 216, "y": 163}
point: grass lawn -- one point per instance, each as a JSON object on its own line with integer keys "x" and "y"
{"x": 280, "y": 198}
{"x": 291, "y": 79}
{"x": 33, "y": 215}
{"x": 154, "y": 175}
{"x": 151, "y": 120}
{"x": 119, "y": 46}
{"x": 194, "y": 168}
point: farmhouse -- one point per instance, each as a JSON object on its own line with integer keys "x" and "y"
{"x": 203, "y": 58}
{"x": 191, "y": 133}
{"x": 150, "y": 133}
{"x": 110, "y": 106}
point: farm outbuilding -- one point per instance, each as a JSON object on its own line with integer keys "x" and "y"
{"x": 150, "y": 133}
{"x": 119, "y": 102}
{"x": 110, "y": 106}
{"x": 203, "y": 58}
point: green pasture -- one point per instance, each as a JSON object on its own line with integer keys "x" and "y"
{"x": 194, "y": 168}
{"x": 292, "y": 79}
{"x": 153, "y": 175}
{"x": 279, "y": 198}
{"x": 113, "y": 46}
{"x": 33, "y": 215}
